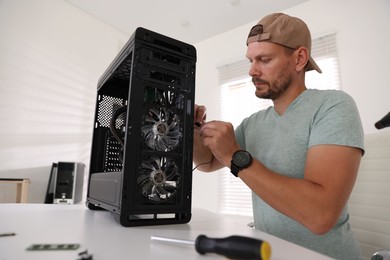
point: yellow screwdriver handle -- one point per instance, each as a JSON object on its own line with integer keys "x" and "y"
{"x": 234, "y": 247}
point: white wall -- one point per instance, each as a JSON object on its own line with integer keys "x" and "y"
{"x": 363, "y": 35}
{"x": 48, "y": 46}
{"x": 61, "y": 36}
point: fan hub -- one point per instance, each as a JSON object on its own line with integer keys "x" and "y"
{"x": 161, "y": 128}
{"x": 158, "y": 177}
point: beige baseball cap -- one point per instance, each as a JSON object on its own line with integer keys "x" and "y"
{"x": 285, "y": 30}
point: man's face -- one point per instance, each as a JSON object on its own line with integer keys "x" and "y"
{"x": 271, "y": 69}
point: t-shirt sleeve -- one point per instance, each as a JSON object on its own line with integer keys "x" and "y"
{"x": 240, "y": 135}
{"x": 337, "y": 122}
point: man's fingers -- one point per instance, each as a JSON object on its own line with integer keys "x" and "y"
{"x": 200, "y": 114}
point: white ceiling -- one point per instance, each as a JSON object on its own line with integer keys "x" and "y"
{"x": 190, "y": 21}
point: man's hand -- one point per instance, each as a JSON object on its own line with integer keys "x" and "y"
{"x": 214, "y": 142}
{"x": 220, "y": 139}
{"x": 200, "y": 114}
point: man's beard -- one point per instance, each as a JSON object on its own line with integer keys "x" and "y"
{"x": 276, "y": 88}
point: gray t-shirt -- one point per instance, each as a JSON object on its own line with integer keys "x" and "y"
{"x": 281, "y": 143}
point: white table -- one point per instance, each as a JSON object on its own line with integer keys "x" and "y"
{"x": 105, "y": 239}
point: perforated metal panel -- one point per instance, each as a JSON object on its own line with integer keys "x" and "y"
{"x": 112, "y": 162}
{"x": 106, "y": 108}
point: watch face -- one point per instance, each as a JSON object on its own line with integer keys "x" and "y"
{"x": 242, "y": 158}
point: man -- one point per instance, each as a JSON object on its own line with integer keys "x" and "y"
{"x": 300, "y": 157}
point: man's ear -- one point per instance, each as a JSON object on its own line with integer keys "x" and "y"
{"x": 301, "y": 59}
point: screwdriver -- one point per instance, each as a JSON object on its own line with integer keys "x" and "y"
{"x": 233, "y": 247}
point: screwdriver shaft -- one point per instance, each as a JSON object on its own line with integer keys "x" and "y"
{"x": 172, "y": 240}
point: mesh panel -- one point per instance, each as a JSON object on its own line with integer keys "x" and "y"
{"x": 107, "y": 106}
{"x": 112, "y": 163}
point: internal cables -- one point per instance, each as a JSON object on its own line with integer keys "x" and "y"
{"x": 113, "y": 129}
{"x": 115, "y": 132}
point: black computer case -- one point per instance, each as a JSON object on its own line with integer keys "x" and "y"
{"x": 141, "y": 158}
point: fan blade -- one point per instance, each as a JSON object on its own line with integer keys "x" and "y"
{"x": 150, "y": 140}
{"x": 170, "y": 187}
{"x": 161, "y": 190}
{"x": 153, "y": 194}
{"x": 174, "y": 135}
{"x": 146, "y": 129}
{"x": 147, "y": 165}
{"x": 159, "y": 144}
{"x": 154, "y": 115}
{"x": 156, "y": 162}
{"x": 173, "y": 125}
{"x": 146, "y": 187}
{"x": 172, "y": 173}
{"x": 169, "y": 143}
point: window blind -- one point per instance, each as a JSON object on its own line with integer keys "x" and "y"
{"x": 238, "y": 101}
{"x": 324, "y": 52}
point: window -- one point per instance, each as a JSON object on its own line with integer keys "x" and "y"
{"x": 237, "y": 91}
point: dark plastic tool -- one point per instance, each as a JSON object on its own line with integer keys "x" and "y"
{"x": 233, "y": 247}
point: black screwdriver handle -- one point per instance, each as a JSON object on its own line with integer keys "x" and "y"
{"x": 234, "y": 247}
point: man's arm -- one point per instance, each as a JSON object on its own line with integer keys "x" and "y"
{"x": 317, "y": 200}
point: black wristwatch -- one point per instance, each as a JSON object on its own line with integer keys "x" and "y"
{"x": 241, "y": 159}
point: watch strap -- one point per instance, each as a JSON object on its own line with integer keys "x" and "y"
{"x": 234, "y": 169}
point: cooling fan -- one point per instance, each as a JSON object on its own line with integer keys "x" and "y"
{"x": 159, "y": 178}
{"x": 161, "y": 129}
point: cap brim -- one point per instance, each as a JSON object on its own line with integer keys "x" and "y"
{"x": 312, "y": 65}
